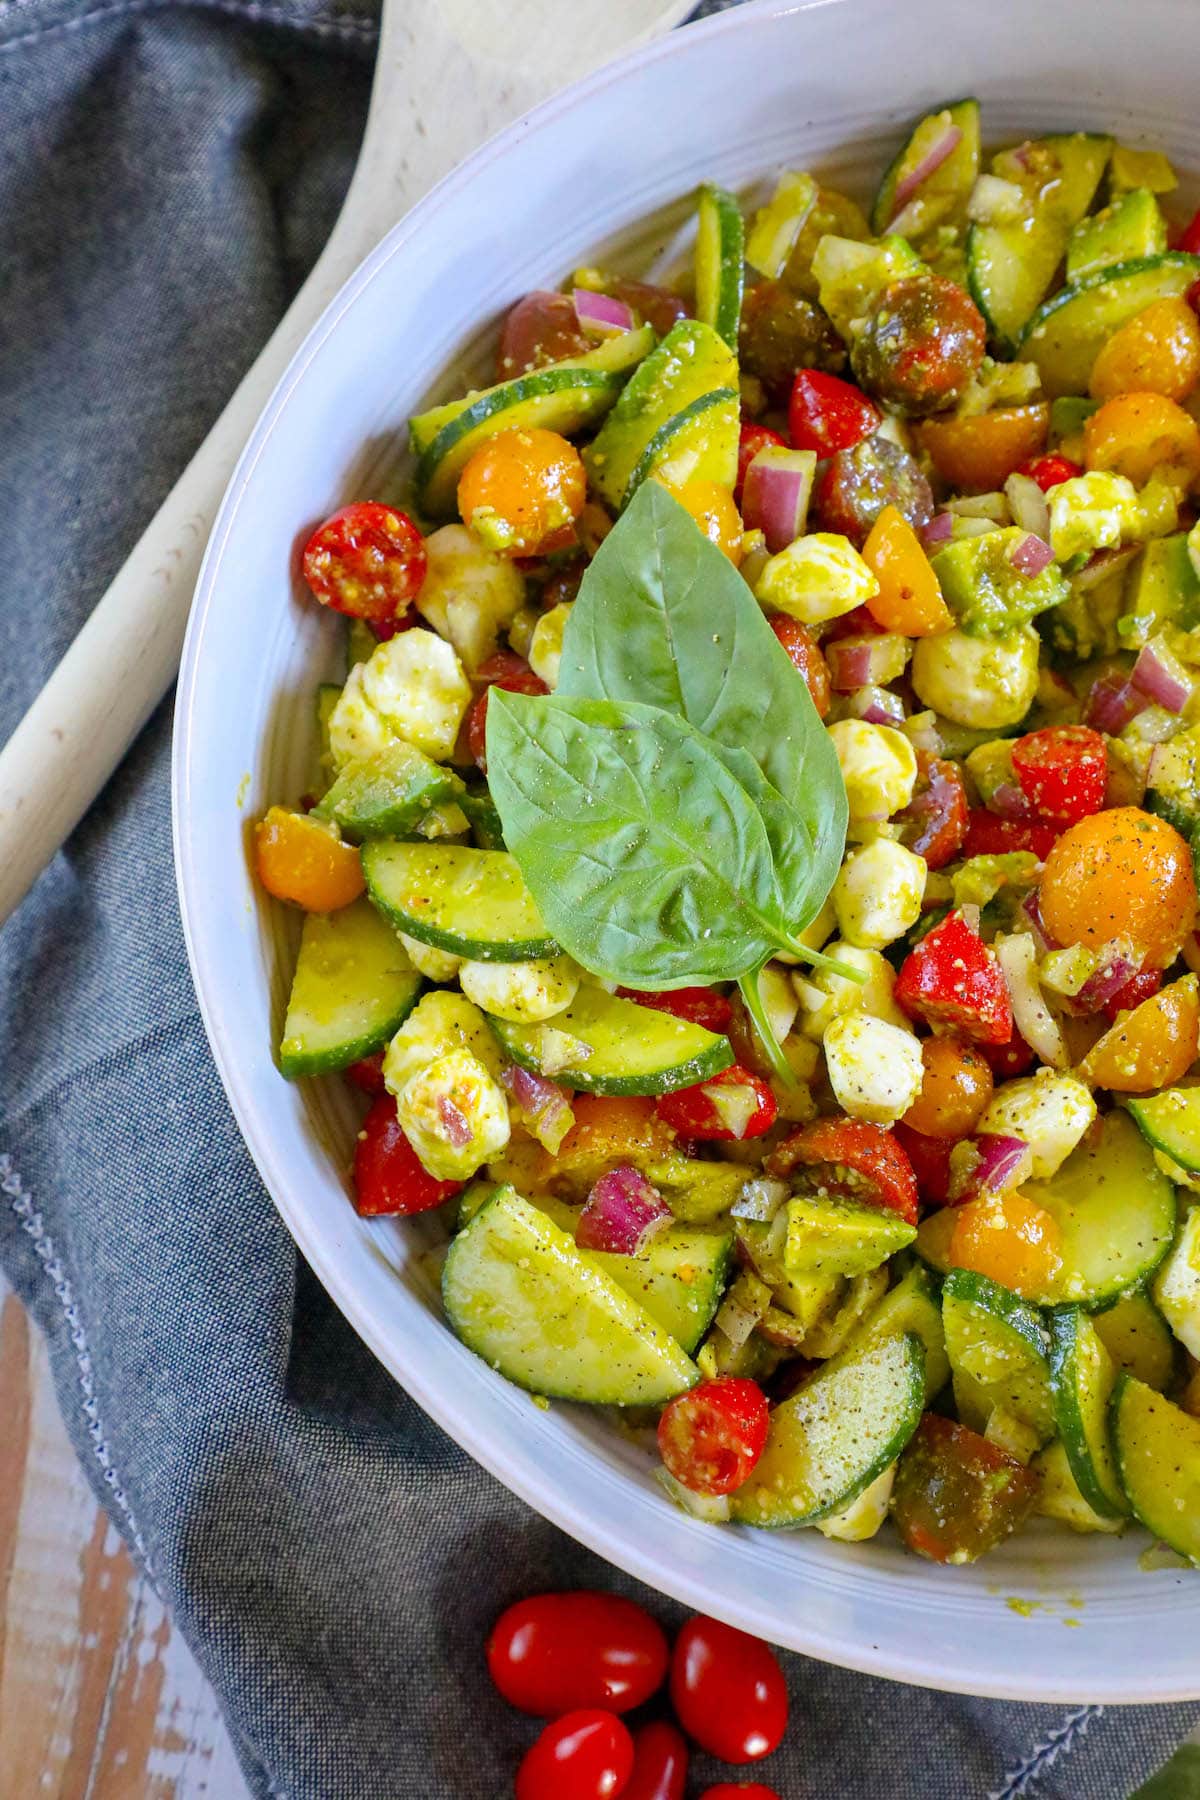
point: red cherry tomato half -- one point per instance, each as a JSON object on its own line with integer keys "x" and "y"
{"x": 388, "y": 1175}
{"x": 1142, "y": 986}
{"x": 953, "y": 979}
{"x": 807, "y": 657}
{"x": 1062, "y": 770}
{"x": 739, "y": 1790}
{"x": 711, "y": 1437}
{"x": 660, "y": 1764}
{"x": 935, "y": 820}
{"x": 699, "y": 1005}
{"x": 1189, "y": 237}
{"x": 1048, "y": 471}
{"x": 751, "y": 440}
{"x": 733, "y": 1105}
{"x": 728, "y": 1691}
{"x": 504, "y": 670}
{"x": 367, "y": 560}
{"x": 554, "y": 1653}
{"x": 989, "y": 835}
{"x": 930, "y": 1159}
{"x": 1009, "y": 1059}
{"x": 367, "y": 1075}
{"x": 828, "y": 415}
{"x": 584, "y": 1756}
{"x": 848, "y": 1159}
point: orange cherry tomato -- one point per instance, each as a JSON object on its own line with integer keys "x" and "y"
{"x": 1151, "y": 1047}
{"x": 522, "y": 490}
{"x": 609, "y": 1130}
{"x": 909, "y": 599}
{"x": 712, "y": 507}
{"x": 1009, "y": 1238}
{"x": 1135, "y": 434}
{"x": 979, "y": 453}
{"x": 955, "y": 1088}
{"x": 1121, "y": 872}
{"x": 1155, "y": 352}
{"x": 303, "y": 860}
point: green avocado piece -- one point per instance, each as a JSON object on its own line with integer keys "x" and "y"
{"x": 986, "y": 592}
{"x": 1162, "y": 590}
{"x": 837, "y": 1237}
{"x": 1130, "y": 227}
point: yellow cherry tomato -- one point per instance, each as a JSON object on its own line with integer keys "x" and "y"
{"x": 712, "y": 506}
{"x": 1151, "y": 1047}
{"x": 1008, "y": 1238}
{"x": 1121, "y": 872}
{"x": 979, "y": 452}
{"x": 1135, "y": 434}
{"x": 909, "y": 600}
{"x": 303, "y": 860}
{"x": 1156, "y": 352}
{"x": 522, "y": 491}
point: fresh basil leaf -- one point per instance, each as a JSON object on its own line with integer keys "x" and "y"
{"x": 649, "y": 862}
{"x": 663, "y": 618}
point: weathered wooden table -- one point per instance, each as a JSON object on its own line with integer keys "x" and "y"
{"x": 99, "y": 1697}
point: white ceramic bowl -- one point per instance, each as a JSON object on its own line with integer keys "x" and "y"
{"x": 603, "y": 173}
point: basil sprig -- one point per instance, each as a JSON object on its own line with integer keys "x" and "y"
{"x": 676, "y": 806}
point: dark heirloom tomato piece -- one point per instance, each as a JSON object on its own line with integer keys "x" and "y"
{"x": 389, "y": 1177}
{"x": 781, "y": 333}
{"x": 698, "y": 1005}
{"x": 553, "y": 1653}
{"x": 711, "y": 1437}
{"x": 954, "y": 982}
{"x": 920, "y": 345}
{"x": 807, "y": 658}
{"x": 859, "y": 483}
{"x": 848, "y": 1159}
{"x": 1062, "y": 770}
{"x": 957, "y": 1495}
{"x": 542, "y": 328}
{"x": 930, "y": 1159}
{"x": 659, "y": 306}
{"x": 367, "y": 561}
{"x": 505, "y": 670}
{"x": 935, "y": 820}
{"x": 990, "y": 835}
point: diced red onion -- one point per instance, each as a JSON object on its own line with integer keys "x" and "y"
{"x": 1161, "y": 677}
{"x": 1031, "y": 906}
{"x": 988, "y": 1164}
{"x": 1117, "y": 964}
{"x": 932, "y": 160}
{"x": 1103, "y": 563}
{"x": 1112, "y": 703}
{"x": 877, "y": 705}
{"x": 600, "y": 315}
{"x": 938, "y": 530}
{"x": 856, "y": 662}
{"x": 454, "y": 1123}
{"x": 992, "y": 506}
{"x": 1033, "y": 1018}
{"x": 742, "y": 1308}
{"x": 1008, "y": 802}
{"x": 922, "y": 733}
{"x": 775, "y": 494}
{"x": 1031, "y": 554}
{"x": 760, "y": 1199}
{"x": 1027, "y": 504}
{"x": 545, "y": 1107}
{"x": 624, "y": 1213}
{"x": 746, "y": 1243}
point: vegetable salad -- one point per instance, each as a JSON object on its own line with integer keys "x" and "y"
{"x": 750, "y": 864}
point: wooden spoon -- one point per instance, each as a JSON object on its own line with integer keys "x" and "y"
{"x": 449, "y": 74}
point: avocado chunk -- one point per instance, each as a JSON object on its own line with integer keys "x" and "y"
{"x": 1173, "y": 790}
{"x": 986, "y": 592}
{"x": 837, "y": 1237}
{"x": 1131, "y": 227}
{"x": 1162, "y": 590}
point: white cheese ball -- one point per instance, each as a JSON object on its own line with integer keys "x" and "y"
{"x": 818, "y": 577}
{"x": 438, "y": 1024}
{"x": 427, "y": 960}
{"x": 469, "y": 595}
{"x": 1048, "y": 1112}
{"x": 984, "y": 683}
{"x": 545, "y": 645}
{"x": 412, "y": 687}
{"x": 454, "y": 1114}
{"x": 1092, "y": 512}
{"x": 824, "y": 994}
{"x": 879, "y": 767}
{"x": 877, "y": 895}
{"x": 874, "y": 1069}
{"x": 521, "y": 991}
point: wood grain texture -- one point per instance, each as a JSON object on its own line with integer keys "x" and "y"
{"x": 100, "y": 1699}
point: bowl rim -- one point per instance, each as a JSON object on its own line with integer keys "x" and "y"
{"x": 436, "y": 1397}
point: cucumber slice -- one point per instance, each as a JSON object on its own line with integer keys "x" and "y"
{"x": 1177, "y": 1284}
{"x": 1115, "y": 1211}
{"x": 914, "y": 1304}
{"x": 1010, "y": 267}
{"x": 699, "y": 443}
{"x": 942, "y": 196}
{"x": 1158, "y": 1459}
{"x": 484, "y": 817}
{"x": 353, "y": 989}
{"x": 1060, "y": 1497}
{"x": 836, "y": 1434}
{"x": 518, "y": 1292}
{"x": 388, "y": 794}
{"x": 473, "y": 903}
{"x": 615, "y": 1046}
{"x": 1084, "y": 1374}
{"x": 1130, "y": 228}
{"x": 1171, "y": 1122}
{"x": 720, "y": 262}
{"x": 1065, "y": 336}
{"x": 998, "y": 1350}
{"x": 679, "y": 1278}
{"x": 1138, "y": 1338}
{"x": 328, "y": 695}
{"x": 835, "y": 1237}
{"x": 564, "y": 397}
{"x": 692, "y": 361}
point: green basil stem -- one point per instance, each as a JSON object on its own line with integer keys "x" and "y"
{"x": 819, "y": 960}
{"x": 771, "y": 1047}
